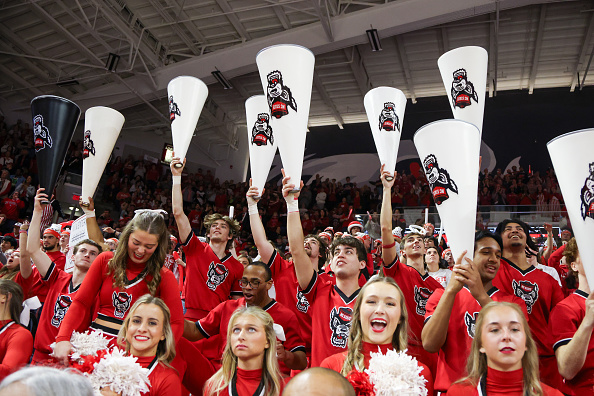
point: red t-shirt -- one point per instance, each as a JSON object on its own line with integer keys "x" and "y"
{"x": 217, "y": 322}
{"x": 11, "y": 207}
{"x": 565, "y": 320}
{"x": 115, "y": 303}
{"x": 331, "y": 314}
{"x": 16, "y": 345}
{"x": 451, "y": 363}
{"x": 209, "y": 280}
{"x": 164, "y": 380}
{"x": 194, "y": 216}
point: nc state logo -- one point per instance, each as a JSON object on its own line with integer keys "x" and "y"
{"x": 302, "y": 303}
{"x": 279, "y": 96}
{"x": 88, "y": 145}
{"x": 470, "y": 322}
{"x": 439, "y": 180}
{"x": 462, "y": 90}
{"x": 217, "y": 273}
{"x": 121, "y": 302}
{"x": 262, "y": 132}
{"x": 587, "y": 208}
{"x": 60, "y": 309}
{"x": 527, "y": 291}
{"x": 41, "y": 134}
{"x": 388, "y": 120}
{"x": 422, "y": 294}
{"x": 173, "y": 109}
{"x": 340, "y": 324}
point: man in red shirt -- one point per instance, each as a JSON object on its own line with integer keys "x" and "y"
{"x": 256, "y": 281}
{"x": 332, "y": 305}
{"x": 51, "y": 246}
{"x": 12, "y": 206}
{"x": 451, "y": 313}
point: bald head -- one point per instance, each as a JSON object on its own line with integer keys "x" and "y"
{"x": 319, "y": 381}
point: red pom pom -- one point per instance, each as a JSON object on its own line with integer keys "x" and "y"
{"x": 361, "y": 383}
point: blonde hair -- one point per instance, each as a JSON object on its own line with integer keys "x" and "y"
{"x": 153, "y": 223}
{"x": 355, "y": 358}
{"x": 476, "y": 364}
{"x": 233, "y": 224}
{"x": 270, "y": 371}
{"x": 166, "y": 347}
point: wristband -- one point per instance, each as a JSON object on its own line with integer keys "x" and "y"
{"x": 253, "y": 209}
{"x": 176, "y": 180}
{"x": 390, "y": 245}
{"x": 293, "y": 206}
{"x": 89, "y": 213}
{"x": 23, "y": 232}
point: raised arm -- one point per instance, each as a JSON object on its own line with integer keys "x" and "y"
{"x": 258, "y": 232}
{"x": 25, "y": 267}
{"x": 93, "y": 230}
{"x": 301, "y": 261}
{"x": 41, "y": 260}
{"x": 177, "y": 202}
{"x": 549, "y": 248}
{"x": 389, "y": 249}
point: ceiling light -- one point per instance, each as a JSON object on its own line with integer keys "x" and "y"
{"x": 374, "y": 40}
{"x": 221, "y": 79}
{"x": 112, "y": 62}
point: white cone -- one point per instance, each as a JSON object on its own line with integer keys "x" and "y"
{"x": 286, "y": 72}
{"x": 573, "y": 161}
{"x": 464, "y": 74}
{"x": 385, "y": 112}
{"x": 186, "y": 96}
{"x": 102, "y": 128}
{"x": 449, "y": 153}
{"x": 261, "y": 139}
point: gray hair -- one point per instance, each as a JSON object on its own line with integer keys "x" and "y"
{"x": 48, "y": 381}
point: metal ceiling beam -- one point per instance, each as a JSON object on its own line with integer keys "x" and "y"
{"x": 493, "y": 48}
{"x": 234, "y": 20}
{"x": 579, "y": 65}
{"x": 324, "y": 18}
{"x": 537, "y": 47}
{"x": 219, "y": 124}
{"x": 175, "y": 27}
{"x": 282, "y": 17}
{"x": 192, "y": 28}
{"x": 324, "y": 94}
{"x": 405, "y": 67}
{"x": 444, "y": 41}
{"x": 20, "y": 80}
{"x": 358, "y": 69}
{"x": 26, "y": 63}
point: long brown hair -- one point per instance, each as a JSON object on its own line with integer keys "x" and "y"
{"x": 14, "y": 301}
{"x": 270, "y": 371}
{"x": 9, "y": 273}
{"x": 354, "y": 358}
{"x": 154, "y": 224}
{"x": 476, "y": 365}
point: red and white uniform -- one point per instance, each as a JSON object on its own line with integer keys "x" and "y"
{"x": 332, "y": 311}
{"x": 565, "y": 320}
{"x": 209, "y": 280}
{"x": 164, "y": 380}
{"x": 60, "y": 296}
{"x": 541, "y": 293}
{"x": 498, "y": 383}
{"x": 217, "y": 322}
{"x": 451, "y": 363}
{"x": 245, "y": 383}
{"x": 40, "y": 288}
{"x": 416, "y": 290}
{"x": 16, "y": 345}
{"x": 114, "y": 304}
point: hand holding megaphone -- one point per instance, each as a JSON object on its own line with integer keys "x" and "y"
{"x": 41, "y": 199}
{"x": 253, "y": 195}
{"x": 177, "y": 166}
{"x": 386, "y": 177}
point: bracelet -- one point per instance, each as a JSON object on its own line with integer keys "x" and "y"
{"x": 176, "y": 180}
{"x": 253, "y": 209}
{"x": 389, "y": 246}
{"x": 23, "y": 232}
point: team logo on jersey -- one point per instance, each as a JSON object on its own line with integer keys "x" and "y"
{"x": 279, "y": 96}
{"x": 527, "y": 291}
{"x": 439, "y": 180}
{"x": 302, "y": 303}
{"x": 217, "y": 273}
{"x": 470, "y": 321}
{"x": 60, "y": 309}
{"x": 262, "y": 132}
{"x": 462, "y": 90}
{"x": 388, "y": 120}
{"x": 121, "y": 303}
{"x": 340, "y": 324}
{"x": 88, "y": 145}
{"x": 173, "y": 109}
{"x": 587, "y": 208}
{"x": 41, "y": 134}
{"x": 422, "y": 294}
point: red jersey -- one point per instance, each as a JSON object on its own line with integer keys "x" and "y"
{"x": 11, "y": 208}
{"x": 40, "y": 288}
{"x": 115, "y": 303}
{"x": 16, "y": 345}
{"x": 60, "y": 296}
{"x": 217, "y": 322}
{"x": 565, "y": 320}
{"x": 244, "y": 383}
{"x": 332, "y": 311}
{"x": 164, "y": 380}
{"x": 209, "y": 280}
{"x": 451, "y": 363}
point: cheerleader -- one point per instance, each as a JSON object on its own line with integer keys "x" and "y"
{"x": 249, "y": 363}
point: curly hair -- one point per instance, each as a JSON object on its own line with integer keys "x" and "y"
{"x": 233, "y": 224}
{"x": 571, "y": 253}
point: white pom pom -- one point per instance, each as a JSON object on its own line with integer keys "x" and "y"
{"x": 121, "y": 374}
{"x": 396, "y": 373}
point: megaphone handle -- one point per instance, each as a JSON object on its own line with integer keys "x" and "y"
{"x": 45, "y": 202}
{"x": 178, "y": 165}
{"x": 389, "y": 178}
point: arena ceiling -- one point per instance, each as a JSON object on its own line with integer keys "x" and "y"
{"x": 61, "y": 47}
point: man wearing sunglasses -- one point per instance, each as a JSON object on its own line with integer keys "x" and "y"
{"x": 255, "y": 283}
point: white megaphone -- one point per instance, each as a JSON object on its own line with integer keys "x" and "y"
{"x": 261, "y": 139}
